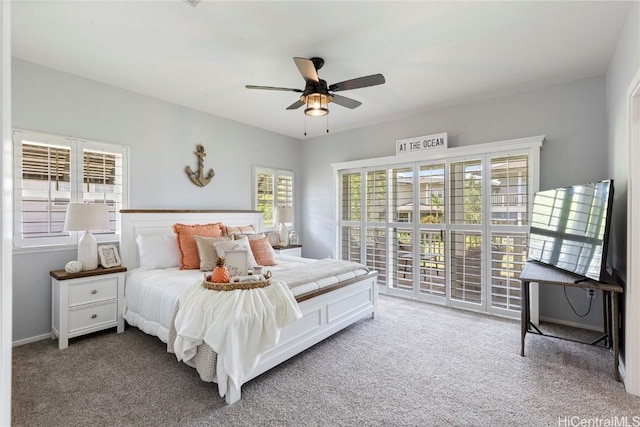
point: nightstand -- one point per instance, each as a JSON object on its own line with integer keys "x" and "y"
{"x": 291, "y": 250}
{"x": 86, "y": 302}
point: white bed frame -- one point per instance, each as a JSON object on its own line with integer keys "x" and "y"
{"x": 324, "y": 313}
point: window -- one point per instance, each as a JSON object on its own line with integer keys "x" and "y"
{"x": 51, "y": 172}
{"x": 450, "y": 229}
{"x": 273, "y": 188}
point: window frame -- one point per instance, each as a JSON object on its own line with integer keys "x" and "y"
{"x": 483, "y": 152}
{"x": 276, "y": 173}
{"x": 77, "y": 147}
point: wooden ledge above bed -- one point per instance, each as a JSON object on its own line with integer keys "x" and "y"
{"x": 185, "y": 211}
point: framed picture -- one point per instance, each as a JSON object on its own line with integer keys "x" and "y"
{"x": 237, "y": 262}
{"x": 274, "y": 238}
{"x": 109, "y": 256}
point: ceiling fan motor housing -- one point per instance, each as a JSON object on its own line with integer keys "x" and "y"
{"x": 316, "y": 87}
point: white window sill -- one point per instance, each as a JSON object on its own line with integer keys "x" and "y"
{"x": 54, "y": 248}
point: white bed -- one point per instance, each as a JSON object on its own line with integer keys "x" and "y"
{"x": 327, "y": 305}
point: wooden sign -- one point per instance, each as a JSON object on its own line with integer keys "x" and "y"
{"x": 435, "y": 142}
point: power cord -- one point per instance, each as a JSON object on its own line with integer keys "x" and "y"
{"x": 591, "y": 296}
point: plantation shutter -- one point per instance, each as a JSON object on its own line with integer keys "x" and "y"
{"x": 350, "y": 216}
{"x": 273, "y": 188}
{"x": 509, "y": 207}
{"x": 285, "y": 191}
{"x": 103, "y": 183}
{"x": 265, "y": 197}
{"x": 376, "y": 223}
{"x": 45, "y": 192}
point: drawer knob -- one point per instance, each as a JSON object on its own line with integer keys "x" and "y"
{"x": 95, "y": 291}
{"x": 93, "y": 316}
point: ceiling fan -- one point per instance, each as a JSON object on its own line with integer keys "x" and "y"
{"x": 317, "y": 94}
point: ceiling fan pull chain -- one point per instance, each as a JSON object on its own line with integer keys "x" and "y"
{"x": 327, "y": 116}
{"x": 305, "y": 125}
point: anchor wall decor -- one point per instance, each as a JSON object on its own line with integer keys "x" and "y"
{"x": 198, "y": 178}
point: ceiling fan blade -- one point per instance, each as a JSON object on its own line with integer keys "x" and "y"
{"x": 366, "y": 81}
{"x": 307, "y": 69}
{"x": 286, "y": 89}
{"x": 346, "y": 102}
{"x": 295, "y": 105}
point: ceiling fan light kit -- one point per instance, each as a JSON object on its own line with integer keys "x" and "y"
{"x": 316, "y": 96}
{"x": 317, "y": 104}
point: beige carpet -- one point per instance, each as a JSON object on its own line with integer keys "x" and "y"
{"x": 414, "y": 365}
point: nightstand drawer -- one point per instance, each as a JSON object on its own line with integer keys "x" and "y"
{"x": 100, "y": 289}
{"x": 92, "y": 316}
{"x": 289, "y": 251}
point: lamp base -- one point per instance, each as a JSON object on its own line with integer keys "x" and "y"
{"x": 88, "y": 251}
{"x": 284, "y": 235}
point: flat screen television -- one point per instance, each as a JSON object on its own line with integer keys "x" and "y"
{"x": 570, "y": 228}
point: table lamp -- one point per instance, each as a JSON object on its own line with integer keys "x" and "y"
{"x": 85, "y": 217}
{"x": 284, "y": 215}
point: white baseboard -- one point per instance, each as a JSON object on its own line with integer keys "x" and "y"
{"x": 32, "y": 339}
{"x": 572, "y": 324}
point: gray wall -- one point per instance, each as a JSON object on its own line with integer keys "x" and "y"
{"x": 572, "y": 116}
{"x": 162, "y": 138}
{"x": 625, "y": 64}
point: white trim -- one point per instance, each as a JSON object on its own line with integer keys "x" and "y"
{"x": 570, "y": 323}
{"x": 469, "y": 150}
{"x": 632, "y": 291}
{"x": 6, "y": 209}
{"x": 32, "y": 339}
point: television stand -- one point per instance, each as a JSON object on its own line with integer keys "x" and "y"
{"x": 541, "y": 273}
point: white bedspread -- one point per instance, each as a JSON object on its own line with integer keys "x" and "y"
{"x": 238, "y": 325}
{"x": 150, "y": 296}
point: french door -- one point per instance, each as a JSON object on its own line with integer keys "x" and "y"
{"x": 451, "y": 230}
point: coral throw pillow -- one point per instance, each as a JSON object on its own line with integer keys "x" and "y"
{"x": 262, "y": 251}
{"x": 189, "y": 258}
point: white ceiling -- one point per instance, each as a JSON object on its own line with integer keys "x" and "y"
{"x": 432, "y": 54}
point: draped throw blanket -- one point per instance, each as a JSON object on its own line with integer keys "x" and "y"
{"x": 238, "y": 325}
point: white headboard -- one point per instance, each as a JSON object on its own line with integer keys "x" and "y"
{"x": 137, "y": 221}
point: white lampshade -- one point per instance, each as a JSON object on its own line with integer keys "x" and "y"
{"x": 284, "y": 214}
{"x": 85, "y": 217}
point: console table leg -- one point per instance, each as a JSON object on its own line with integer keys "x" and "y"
{"x": 524, "y": 314}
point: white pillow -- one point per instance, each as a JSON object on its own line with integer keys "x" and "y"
{"x": 222, "y": 247}
{"x": 158, "y": 251}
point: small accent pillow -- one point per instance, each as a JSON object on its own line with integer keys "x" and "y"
{"x": 222, "y": 247}
{"x": 262, "y": 251}
{"x": 158, "y": 251}
{"x": 245, "y": 229}
{"x": 189, "y": 258}
{"x": 207, "y": 251}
